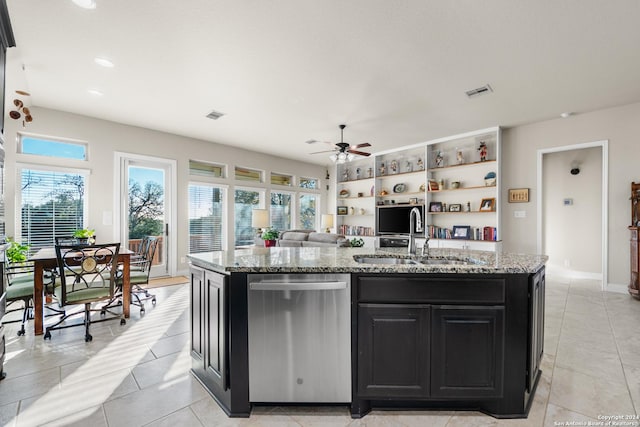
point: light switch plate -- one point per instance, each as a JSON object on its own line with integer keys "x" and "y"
{"x": 519, "y": 214}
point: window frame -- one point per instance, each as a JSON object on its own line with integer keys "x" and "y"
{"x": 224, "y": 241}
{"x": 69, "y": 141}
{"x": 20, "y": 167}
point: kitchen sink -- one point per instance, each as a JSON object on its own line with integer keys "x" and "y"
{"x": 411, "y": 261}
{"x": 383, "y": 260}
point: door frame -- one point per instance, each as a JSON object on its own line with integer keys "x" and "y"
{"x": 604, "y": 145}
{"x": 170, "y": 193}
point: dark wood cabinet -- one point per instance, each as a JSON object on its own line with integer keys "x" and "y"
{"x": 536, "y": 319}
{"x": 634, "y": 281}
{"x": 467, "y": 351}
{"x": 209, "y": 327}
{"x": 393, "y": 350}
{"x": 448, "y": 341}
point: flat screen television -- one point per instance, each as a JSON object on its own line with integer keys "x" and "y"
{"x": 395, "y": 219}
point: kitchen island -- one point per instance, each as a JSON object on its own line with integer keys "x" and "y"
{"x": 458, "y": 329}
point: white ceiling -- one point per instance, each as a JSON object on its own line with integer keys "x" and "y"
{"x": 286, "y": 71}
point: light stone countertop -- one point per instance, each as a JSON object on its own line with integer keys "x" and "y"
{"x": 341, "y": 260}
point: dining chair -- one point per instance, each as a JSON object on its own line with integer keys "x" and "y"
{"x": 87, "y": 274}
{"x": 20, "y": 283}
{"x": 19, "y": 278}
{"x": 139, "y": 271}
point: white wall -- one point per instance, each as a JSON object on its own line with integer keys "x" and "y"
{"x": 572, "y": 235}
{"x": 621, "y": 127}
{"x": 105, "y": 137}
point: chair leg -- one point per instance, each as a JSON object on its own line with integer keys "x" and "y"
{"x": 87, "y": 322}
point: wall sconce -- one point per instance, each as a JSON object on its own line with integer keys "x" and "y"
{"x": 575, "y": 168}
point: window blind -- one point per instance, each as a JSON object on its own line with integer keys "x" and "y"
{"x": 52, "y": 206}
{"x": 206, "y": 228}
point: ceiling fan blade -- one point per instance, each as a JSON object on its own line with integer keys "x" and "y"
{"x": 325, "y": 151}
{"x": 364, "y": 144}
{"x": 359, "y": 153}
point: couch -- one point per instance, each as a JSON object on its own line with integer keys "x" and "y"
{"x": 309, "y": 238}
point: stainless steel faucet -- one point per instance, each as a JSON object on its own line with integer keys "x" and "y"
{"x": 412, "y": 230}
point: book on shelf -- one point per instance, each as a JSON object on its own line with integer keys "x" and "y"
{"x": 355, "y": 230}
{"x": 477, "y": 233}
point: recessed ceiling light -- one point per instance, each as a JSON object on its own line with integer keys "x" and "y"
{"x": 103, "y": 62}
{"x": 95, "y": 92}
{"x": 566, "y": 114}
{"x": 85, "y": 4}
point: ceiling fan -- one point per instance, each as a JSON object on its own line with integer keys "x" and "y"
{"x": 343, "y": 151}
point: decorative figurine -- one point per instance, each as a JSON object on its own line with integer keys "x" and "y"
{"x": 409, "y": 166}
{"x": 420, "y": 164}
{"x": 482, "y": 148}
{"x": 345, "y": 175}
{"x": 357, "y": 173}
{"x": 370, "y": 172}
{"x": 439, "y": 159}
{"x": 459, "y": 157}
{"x": 383, "y": 170}
{"x": 394, "y": 166}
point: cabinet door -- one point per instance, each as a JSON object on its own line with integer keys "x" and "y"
{"x": 536, "y": 319}
{"x": 197, "y": 310}
{"x": 216, "y": 342}
{"x": 393, "y": 350}
{"x": 467, "y": 357}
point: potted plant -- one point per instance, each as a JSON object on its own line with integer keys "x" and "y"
{"x": 269, "y": 236}
{"x": 84, "y": 235}
{"x": 17, "y": 252}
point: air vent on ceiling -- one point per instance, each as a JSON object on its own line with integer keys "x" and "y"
{"x": 214, "y": 115}
{"x": 479, "y": 91}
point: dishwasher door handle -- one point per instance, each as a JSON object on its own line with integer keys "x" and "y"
{"x": 296, "y": 286}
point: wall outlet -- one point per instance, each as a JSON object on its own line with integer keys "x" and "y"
{"x": 519, "y": 214}
{"x": 183, "y": 260}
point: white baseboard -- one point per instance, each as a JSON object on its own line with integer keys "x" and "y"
{"x": 572, "y": 274}
{"x": 617, "y": 288}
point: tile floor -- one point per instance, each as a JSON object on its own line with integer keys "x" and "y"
{"x": 138, "y": 374}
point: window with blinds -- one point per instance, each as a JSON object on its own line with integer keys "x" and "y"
{"x": 280, "y": 210}
{"x": 53, "y": 204}
{"x": 206, "y": 218}
{"x": 245, "y": 201}
{"x": 308, "y": 211}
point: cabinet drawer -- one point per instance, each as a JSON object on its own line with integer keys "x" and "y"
{"x": 440, "y": 290}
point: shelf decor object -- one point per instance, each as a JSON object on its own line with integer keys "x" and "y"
{"x": 518, "y": 195}
{"x": 487, "y": 205}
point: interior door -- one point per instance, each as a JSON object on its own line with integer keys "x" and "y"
{"x": 146, "y": 208}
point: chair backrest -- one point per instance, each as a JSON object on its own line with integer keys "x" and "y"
{"x": 87, "y": 272}
{"x": 150, "y": 253}
{"x": 17, "y": 271}
{"x": 143, "y": 246}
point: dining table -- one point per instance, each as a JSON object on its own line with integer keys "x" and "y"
{"x": 45, "y": 259}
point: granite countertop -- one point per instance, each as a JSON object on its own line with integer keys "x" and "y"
{"x": 341, "y": 260}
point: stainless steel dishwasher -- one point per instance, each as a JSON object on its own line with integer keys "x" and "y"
{"x": 299, "y": 338}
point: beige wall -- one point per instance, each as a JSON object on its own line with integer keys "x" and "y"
{"x": 621, "y": 127}
{"x": 104, "y": 138}
{"x": 572, "y": 236}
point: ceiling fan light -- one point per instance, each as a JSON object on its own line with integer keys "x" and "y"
{"x": 85, "y": 4}
{"x": 334, "y": 157}
{"x": 350, "y": 157}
